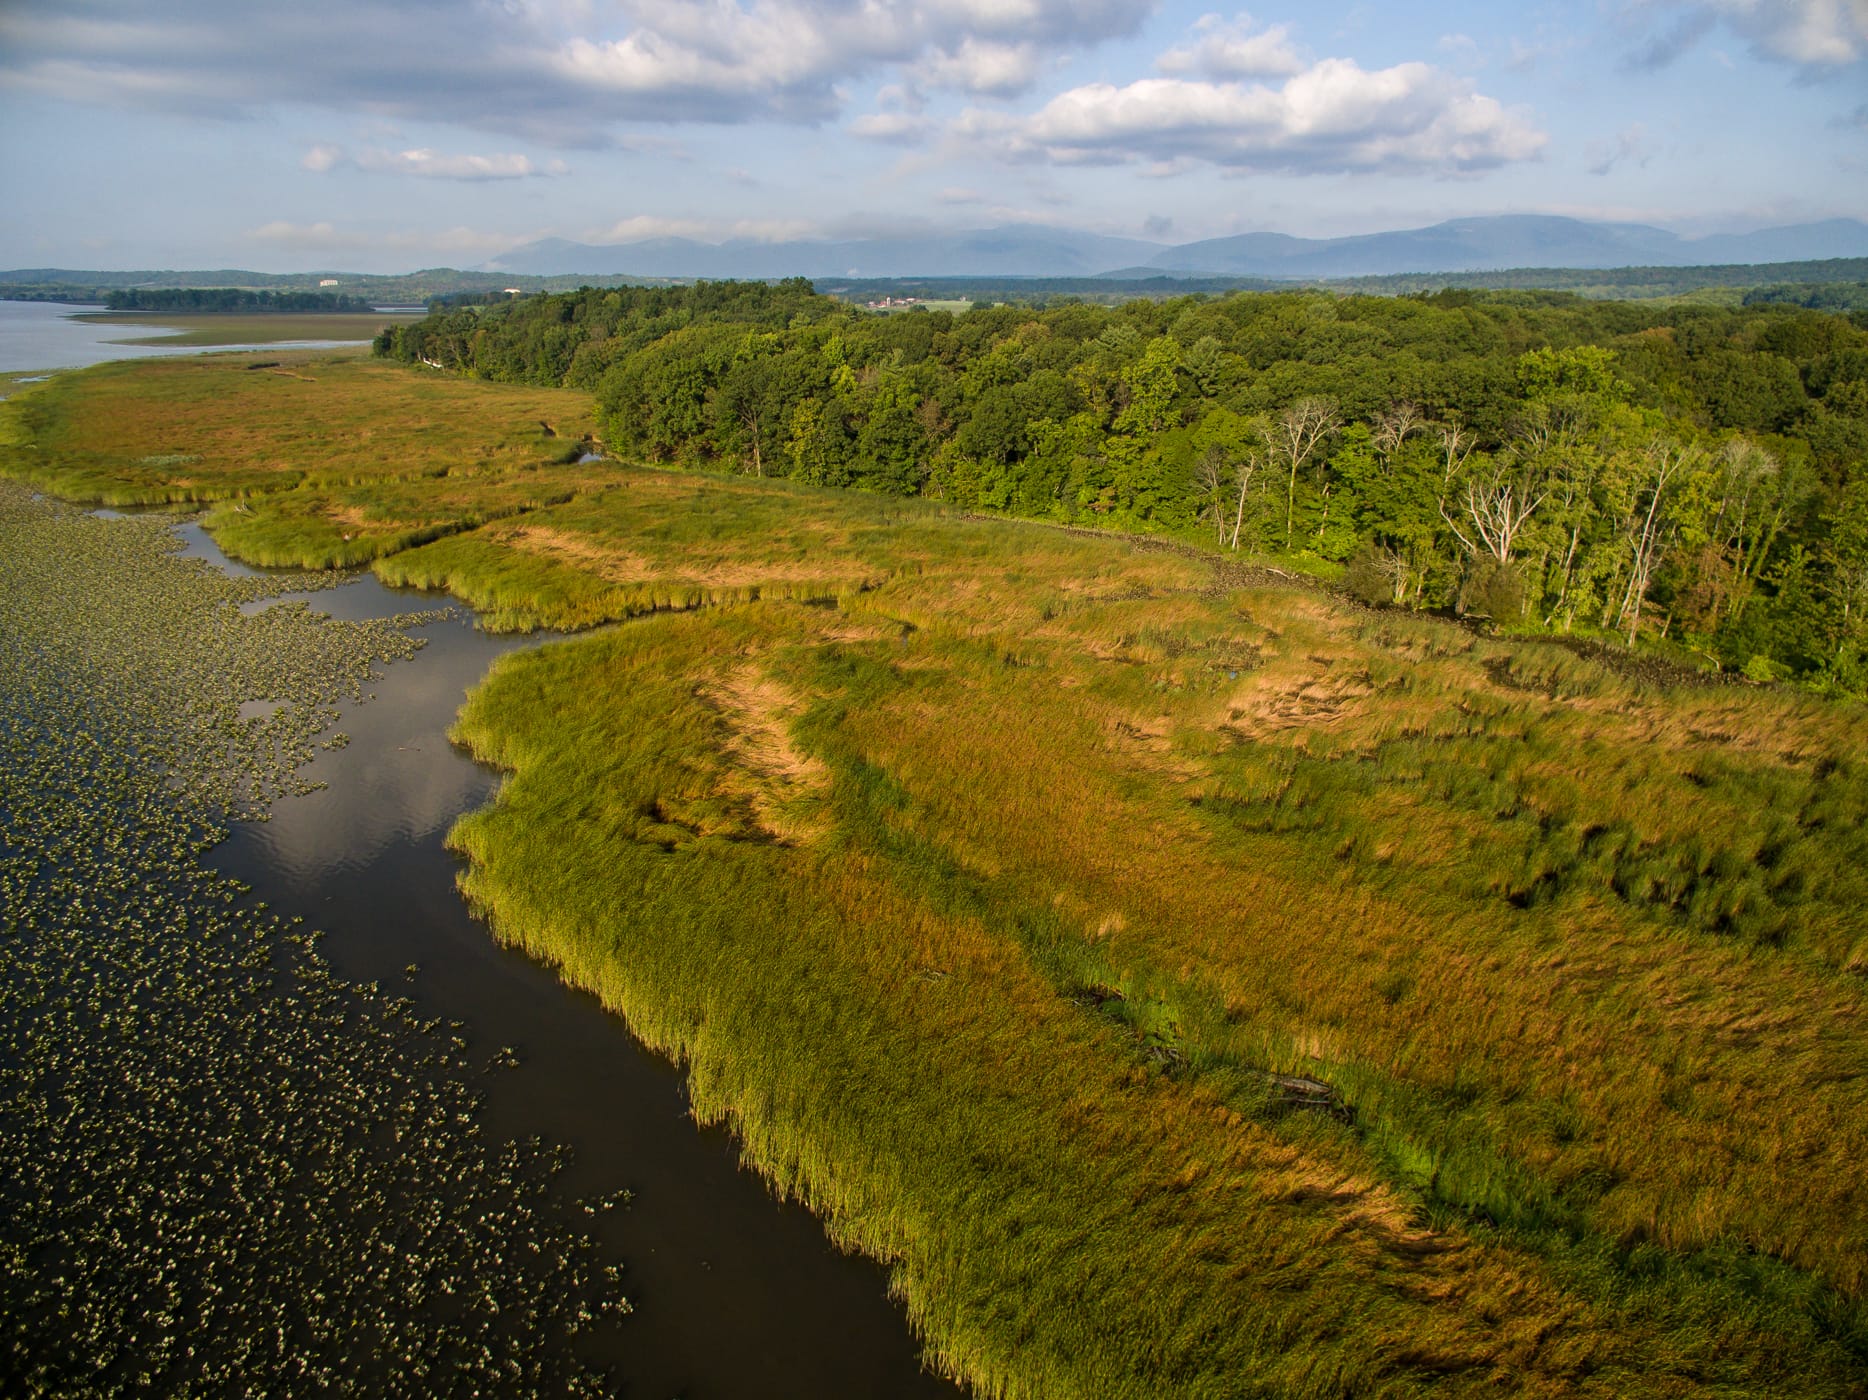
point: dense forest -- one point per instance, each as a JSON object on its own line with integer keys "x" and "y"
{"x": 223, "y": 299}
{"x": 1687, "y": 478}
{"x": 1818, "y": 296}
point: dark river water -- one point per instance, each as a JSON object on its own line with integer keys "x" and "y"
{"x": 735, "y": 1294}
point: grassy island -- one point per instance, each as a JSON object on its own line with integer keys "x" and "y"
{"x": 1193, "y": 982}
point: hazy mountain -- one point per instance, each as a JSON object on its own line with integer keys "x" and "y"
{"x": 1012, "y": 251}
{"x": 1458, "y": 245}
{"x": 1833, "y": 238}
{"x": 1483, "y": 245}
{"x": 1026, "y": 250}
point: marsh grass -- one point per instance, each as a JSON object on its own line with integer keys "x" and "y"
{"x": 1192, "y": 985}
{"x": 194, "y": 430}
{"x": 232, "y": 328}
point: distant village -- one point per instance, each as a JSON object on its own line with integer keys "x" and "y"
{"x": 887, "y": 303}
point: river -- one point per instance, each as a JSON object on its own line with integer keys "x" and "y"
{"x": 126, "y": 1113}
{"x": 37, "y": 335}
{"x": 732, "y": 1292}
{"x": 735, "y": 1294}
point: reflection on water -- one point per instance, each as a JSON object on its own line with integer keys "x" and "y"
{"x": 397, "y": 779}
{"x": 260, "y": 709}
{"x": 365, "y": 597}
{"x": 42, "y": 335}
{"x": 734, "y": 1294}
{"x": 198, "y": 544}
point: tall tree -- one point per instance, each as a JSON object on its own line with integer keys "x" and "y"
{"x": 1297, "y": 432}
{"x": 1665, "y": 461}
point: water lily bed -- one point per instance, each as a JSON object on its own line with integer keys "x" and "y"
{"x": 223, "y": 1167}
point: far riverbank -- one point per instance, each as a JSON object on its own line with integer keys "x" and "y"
{"x": 42, "y": 336}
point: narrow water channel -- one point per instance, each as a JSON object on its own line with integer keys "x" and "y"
{"x": 735, "y": 1294}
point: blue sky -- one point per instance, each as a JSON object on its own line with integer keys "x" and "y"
{"x": 369, "y": 136}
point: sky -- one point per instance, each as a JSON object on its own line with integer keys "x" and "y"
{"x": 379, "y": 136}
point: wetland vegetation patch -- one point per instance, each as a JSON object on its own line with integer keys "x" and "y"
{"x": 221, "y": 1166}
{"x": 1190, "y": 982}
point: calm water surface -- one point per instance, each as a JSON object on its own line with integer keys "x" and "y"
{"x": 734, "y": 1293}
{"x": 42, "y": 335}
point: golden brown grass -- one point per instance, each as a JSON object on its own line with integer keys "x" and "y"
{"x": 209, "y": 428}
{"x": 1194, "y": 985}
{"x": 257, "y": 328}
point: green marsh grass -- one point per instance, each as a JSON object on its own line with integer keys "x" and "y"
{"x": 1191, "y": 984}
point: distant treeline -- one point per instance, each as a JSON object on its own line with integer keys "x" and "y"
{"x": 1784, "y": 280}
{"x": 1043, "y": 291}
{"x": 1629, "y": 283}
{"x": 219, "y": 299}
{"x": 68, "y": 293}
{"x": 1820, "y": 296}
{"x": 490, "y": 296}
{"x": 1693, "y": 475}
{"x": 402, "y": 289}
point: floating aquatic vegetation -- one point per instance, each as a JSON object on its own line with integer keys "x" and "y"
{"x": 221, "y": 1166}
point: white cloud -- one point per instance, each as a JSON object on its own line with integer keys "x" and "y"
{"x": 1462, "y": 49}
{"x": 1812, "y": 33}
{"x": 1332, "y": 117}
{"x": 1818, "y": 36}
{"x": 435, "y": 166}
{"x": 1234, "y": 50}
{"x": 733, "y": 59}
{"x": 428, "y": 164}
{"x": 901, "y": 127}
{"x": 558, "y": 71}
{"x": 901, "y": 97}
{"x": 325, "y": 237}
{"x": 981, "y": 66}
{"x": 641, "y": 227}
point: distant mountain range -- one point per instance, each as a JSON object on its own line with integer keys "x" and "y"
{"x": 1013, "y": 251}
{"x": 1027, "y": 250}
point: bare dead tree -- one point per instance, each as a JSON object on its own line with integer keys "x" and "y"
{"x": 1849, "y": 585}
{"x": 1666, "y": 463}
{"x": 1545, "y": 424}
{"x": 1456, "y": 444}
{"x": 1497, "y": 506}
{"x": 1219, "y": 475}
{"x": 1393, "y": 570}
{"x": 1297, "y": 433}
{"x": 1243, "y": 470}
{"x": 1394, "y": 426}
{"x": 1211, "y": 481}
{"x": 1575, "y": 480}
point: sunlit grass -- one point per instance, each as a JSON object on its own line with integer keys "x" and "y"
{"x": 186, "y": 429}
{"x": 1193, "y": 984}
